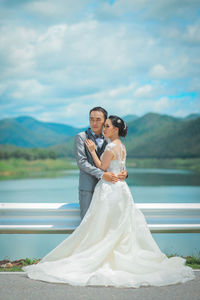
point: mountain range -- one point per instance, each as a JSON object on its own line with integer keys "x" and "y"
{"x": 28, "y": 132}
{"x": 151, "y": 135}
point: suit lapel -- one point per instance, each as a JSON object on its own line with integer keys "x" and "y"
{"x": 99, "y": 150}
{"x": 90, "y": 135}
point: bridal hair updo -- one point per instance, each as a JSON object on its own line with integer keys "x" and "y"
{"x": 119, "y": 123}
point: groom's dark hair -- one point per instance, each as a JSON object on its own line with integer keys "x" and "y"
{"x": 99, "y": 108}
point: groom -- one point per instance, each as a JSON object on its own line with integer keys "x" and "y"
{"x": 89, "y": 174}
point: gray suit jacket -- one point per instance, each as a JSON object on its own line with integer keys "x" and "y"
{"x": 89, "y": 174}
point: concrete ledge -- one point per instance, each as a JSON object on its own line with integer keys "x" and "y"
{"x": 27, "y": 218}
{"x": 17, "y": 287}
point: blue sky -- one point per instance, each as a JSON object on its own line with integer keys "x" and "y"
{"x": 61, "y": 58}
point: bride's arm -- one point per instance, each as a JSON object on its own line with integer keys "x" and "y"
{"x": 106, "y": 157}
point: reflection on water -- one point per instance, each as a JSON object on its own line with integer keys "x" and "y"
{"x": 147, "y": 185}
{"x": 165, "y": 194}
{"x": 162, "y": 177}
{"x": 63, "y": 189}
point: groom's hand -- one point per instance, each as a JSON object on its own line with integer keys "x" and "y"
{"x": 110, "y": 176}
{"x": 122, "y": 175}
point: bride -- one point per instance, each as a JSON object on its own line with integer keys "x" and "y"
{"x": 113, "y": 245}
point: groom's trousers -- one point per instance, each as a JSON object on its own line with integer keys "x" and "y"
{"x": 85, "y": 198}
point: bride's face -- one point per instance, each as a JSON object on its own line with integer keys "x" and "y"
{"x": 109, "y": 129}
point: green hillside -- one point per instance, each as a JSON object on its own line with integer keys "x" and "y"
{"x": 150, "y": 136}
{"x": 162, "y": 136}
{"x": 28, "y": 132}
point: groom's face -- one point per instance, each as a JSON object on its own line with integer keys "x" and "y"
{"x": 97, "y": 121}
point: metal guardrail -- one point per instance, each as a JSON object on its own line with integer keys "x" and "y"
{"x": 26, "y": 218}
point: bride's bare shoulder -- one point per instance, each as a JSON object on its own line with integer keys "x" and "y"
{"x": 110, "y": 146}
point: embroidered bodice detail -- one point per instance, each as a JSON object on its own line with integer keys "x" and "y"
{"x": 117, "y": 164}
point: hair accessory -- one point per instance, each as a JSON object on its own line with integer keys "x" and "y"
{"x": 124, "y": 126}
{"x": 118, "y": 121}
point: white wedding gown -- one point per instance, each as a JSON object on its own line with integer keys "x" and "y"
{"x": 112, "y": 246}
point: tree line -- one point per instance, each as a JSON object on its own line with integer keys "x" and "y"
{"x": 28, "y": 154}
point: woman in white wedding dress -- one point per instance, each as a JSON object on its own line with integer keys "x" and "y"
{"x": 113, "y": 245}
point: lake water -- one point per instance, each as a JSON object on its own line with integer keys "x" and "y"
{"x": 146, "y": 185}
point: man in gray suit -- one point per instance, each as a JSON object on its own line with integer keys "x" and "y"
{"x": 89, "y": 174}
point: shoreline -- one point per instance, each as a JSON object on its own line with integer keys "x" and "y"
{"x": 43, "y": 168}
{"x": 52, "y": 168}
{"x": 187, "y": 164}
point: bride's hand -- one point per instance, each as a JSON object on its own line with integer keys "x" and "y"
{"x": 91, "y": 145}
{"x": 122, "y": 175}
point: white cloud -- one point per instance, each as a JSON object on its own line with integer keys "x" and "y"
{"x": 52, "y": 40}
{"x": 42, "y": 7}
{"x": 67, "y": 114}
{"x": 161, "y": 105}
{"x": 158, "y": 72}
{"x": 28, "y": 89}
{"x": 119, "y": 8}
{"x": 144, "y": 91}
{"x": 153, "y": 10}
{"x": 194, "y": 85}
{"x": 52, "y": 11}
{"x": 30, "y": 109}
{"x": 192, "y": 34}
{"x": 121, "y": 90}
{"x": 3, "y": 87}
{"x": 67, "y": 56}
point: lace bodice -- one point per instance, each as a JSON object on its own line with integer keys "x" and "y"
{"x": 118, "y": 163}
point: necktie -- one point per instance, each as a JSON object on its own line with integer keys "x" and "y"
{"x": 99, "y": 140}
{"x": 100, "y": 136}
